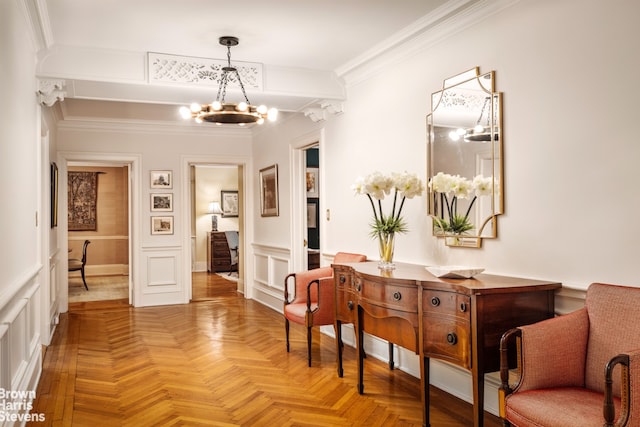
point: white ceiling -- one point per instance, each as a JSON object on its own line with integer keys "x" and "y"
{"x": 329, "y": 36}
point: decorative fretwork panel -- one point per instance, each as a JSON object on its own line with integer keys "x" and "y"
{"x": 164, "y": 68}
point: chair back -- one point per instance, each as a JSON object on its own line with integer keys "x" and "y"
{"x": 613, "y": 328}
{"x": 344, "y": 257}
{"x": 84, "y": 251}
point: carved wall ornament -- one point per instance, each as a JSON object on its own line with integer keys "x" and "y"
{"x": 170, "y": 69}
{"x": 50, "y": 91}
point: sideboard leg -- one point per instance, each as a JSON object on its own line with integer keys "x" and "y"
{"x": 391, "y": 364}
{"x": 339, "y": 347}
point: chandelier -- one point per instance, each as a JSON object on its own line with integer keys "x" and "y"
{"x": 222, "y": 112}
{"x": 480, "y": 132}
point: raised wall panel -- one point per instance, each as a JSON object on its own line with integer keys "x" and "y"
{"x": 161, "y": 278}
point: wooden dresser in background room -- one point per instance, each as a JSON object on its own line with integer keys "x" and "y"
{"x": 218, "y": 254}
{"x": 455, "y": 320}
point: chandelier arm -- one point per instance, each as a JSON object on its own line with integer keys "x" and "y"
{"x": 222, "y": 89}
{"x": 241, "y": 86}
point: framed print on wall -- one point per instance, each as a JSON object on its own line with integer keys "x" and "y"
{"x": 312, "y": 215}
{"x": 54, "y": 195}
{"x": 313, "y": 189}
{"x": 269, "y": 191}
{"x": 161, "y": 179}
{"x": 162, "y": 202}
{"x": 229, "y": 203}
{"x": 161, "y": 225}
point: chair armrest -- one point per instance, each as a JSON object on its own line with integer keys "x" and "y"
{"x": 561, "y": 339}
{"x": 629, "y": 390}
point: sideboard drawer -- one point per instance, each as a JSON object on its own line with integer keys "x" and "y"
{"x": 447, "y": 338}
{"x": 442, "y": 303}
{"x": 397, "y": 297}
{"x": 345, "y": 306}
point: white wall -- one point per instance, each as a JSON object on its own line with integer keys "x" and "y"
{"x": 161, "y": 264}
{"x": 21, "y": 225}
{"x": 567, "y": 70}
{"x": 568, "y": 73}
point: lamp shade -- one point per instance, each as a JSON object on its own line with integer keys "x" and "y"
{"x": 214, "y": 208}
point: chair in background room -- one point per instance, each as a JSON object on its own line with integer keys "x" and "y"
{"x": 313, "y": 301}
{"x": 233, "y": 242}
{"x": 78, "y": 264}
{"x": 581, "y": 369}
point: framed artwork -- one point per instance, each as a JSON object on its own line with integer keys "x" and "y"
{"x": 229, "y": 203}
{"x": 162, "y": 202}
{"x": 54, "y": 195}
{"x": 269, "y": 191}
{"x": 312, "y": 215}
{"x": 313, "y": 189}
{"x": 161, "y": 225}
{"x": 82, "y": 200}
{"x": 161, "y": 179}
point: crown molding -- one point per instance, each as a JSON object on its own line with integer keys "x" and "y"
{"x": 37, "y": 17}
{"x": 147, "y": 127}
{"x": 443, "y": 23}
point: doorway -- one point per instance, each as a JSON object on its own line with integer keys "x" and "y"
{"x": 216, "y": 225}
{"x": 129, "y": 233}
{"x": 312, "y": 185}
{"x": 104, "y": 224}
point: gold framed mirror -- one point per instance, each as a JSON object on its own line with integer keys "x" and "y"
{"x": 464, "y": 164}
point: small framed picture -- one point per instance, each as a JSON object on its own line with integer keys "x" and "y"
{"x": 313, "y": 189}
{"x": 162, "y": 202}
{"x": 312, "y": 215}
{"x": 229, "y": 203}
{"x": 161, "y": 179}
{"x": 269, "y": 191}
{"x": 161, "y": 225}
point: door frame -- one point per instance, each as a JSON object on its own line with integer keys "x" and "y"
{"x": 133, "y": 162}
{"x": 298, "y": 166}
{"x": 246, "y": 219}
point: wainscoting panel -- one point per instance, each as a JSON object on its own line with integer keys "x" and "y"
{"x": 52, "y": 301}
{"x": 271, "y": 265}
{"x": 161, "y": 277}
{"x": 20, "y": 347}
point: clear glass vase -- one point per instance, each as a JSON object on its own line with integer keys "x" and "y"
{"x": 386, "y": 242}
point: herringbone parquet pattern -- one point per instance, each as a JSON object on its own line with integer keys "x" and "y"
{"x": 221, "y": 362}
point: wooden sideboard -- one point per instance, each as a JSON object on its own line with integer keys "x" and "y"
{"x": 456, "y": 320}
{"x": 218, "y": 253}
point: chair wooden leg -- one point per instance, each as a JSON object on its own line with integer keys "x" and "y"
{"x": 286, "y": 331}
{"x": 309, "y": 344}
{"x": 83, "y": 279}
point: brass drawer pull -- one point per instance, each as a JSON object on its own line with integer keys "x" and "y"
{"x": 435, "y": 301}
{"x": 463, "y": 307}
{"x": 350, "y": 305}
{"x": 452, "y": 338}
{"x": 342, "y": 279}
{"x": 358, "y": 287}
{"x": 397, "y": 296}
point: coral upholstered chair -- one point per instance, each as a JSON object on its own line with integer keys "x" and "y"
{"x": 578, "y": 370}
{"x": 313, "y": 301}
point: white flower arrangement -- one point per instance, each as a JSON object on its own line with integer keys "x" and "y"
{"x": 458, "y": 187}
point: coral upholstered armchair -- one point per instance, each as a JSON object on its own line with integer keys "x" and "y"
{"x": 578, "y": 370}
{"x": 313, "y": 303}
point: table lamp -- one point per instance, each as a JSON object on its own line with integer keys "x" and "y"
{"x": 214, "y": 209}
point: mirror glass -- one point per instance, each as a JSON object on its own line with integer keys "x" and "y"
{"x": 465, "y": 159}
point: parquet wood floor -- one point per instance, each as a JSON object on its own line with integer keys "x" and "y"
{"x": 219, "y": 362}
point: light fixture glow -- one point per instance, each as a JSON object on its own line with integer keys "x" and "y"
{"x": 222, "y": 112}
